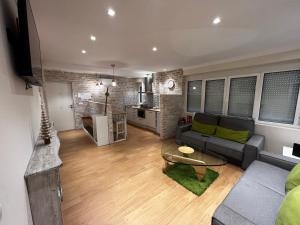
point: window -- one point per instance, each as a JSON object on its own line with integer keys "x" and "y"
{"x": 241, "y": 96}
{"x": 279, "y": 97}
{"x": 214, "y": 94}
{"x": 194, "y": 96}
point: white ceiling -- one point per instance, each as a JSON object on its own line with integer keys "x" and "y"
{"x": 181, "y": 29}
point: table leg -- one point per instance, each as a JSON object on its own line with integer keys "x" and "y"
{"x": 167, "y": 166}
{"x": 200, "y": 171}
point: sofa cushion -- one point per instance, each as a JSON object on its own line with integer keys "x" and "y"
{"x": 206, "y": 118}
{"x": 225, "y": 147}
{"x": 267, "y": 175}
{"x": 293, "y": 179}
{"x": 290, "y": 207}
{"x": 194, "y": 139}
{"x": 236, "y": 123}
{"x": 203, "y": 128}
{"x": 233, "y": 135}
{"x": 254, "y": 202}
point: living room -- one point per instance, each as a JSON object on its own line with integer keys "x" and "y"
{"x": 150, "y": 112}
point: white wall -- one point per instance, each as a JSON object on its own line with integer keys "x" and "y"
{"x": 276, "y": 136}
{"x": 19, "y": 128}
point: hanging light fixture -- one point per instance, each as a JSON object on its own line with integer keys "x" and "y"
{"x": 99, "y": 83}
{"x": 113, "y": 82}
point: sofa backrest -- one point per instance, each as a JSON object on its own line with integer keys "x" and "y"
{"x": 206, "y": 118}
{"x": 237, "y": 123}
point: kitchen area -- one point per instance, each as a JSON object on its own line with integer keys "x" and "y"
{"x": 147, "y": 113}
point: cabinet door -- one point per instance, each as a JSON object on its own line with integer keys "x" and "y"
{"x": 131, "y": 114}
{"x": 151, "y": 119}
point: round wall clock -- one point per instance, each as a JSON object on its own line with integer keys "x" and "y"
{"x": 171, "y": 84}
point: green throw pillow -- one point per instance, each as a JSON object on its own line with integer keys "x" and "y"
{"x": 203, "y": 128}
{"x": 233, "y": 135}
{"x": 293, "y": 179}
{"x": 289, "y": 210}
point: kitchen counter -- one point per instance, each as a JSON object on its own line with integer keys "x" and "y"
{"x": 150, "y": 119}
{"x": 150, "y": 109}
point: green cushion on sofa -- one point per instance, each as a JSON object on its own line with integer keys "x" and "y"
{"x": 203, "y": 128}
{"x": 233, "y": 135}
{"x": 290, "y": 207}
{"x": 293, "y": 179}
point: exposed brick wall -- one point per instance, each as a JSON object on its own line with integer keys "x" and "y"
{"x": 170, "y": 100}
{"x": 125, "y": 93}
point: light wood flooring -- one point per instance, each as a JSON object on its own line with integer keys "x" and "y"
{"x": 124, "y": 184}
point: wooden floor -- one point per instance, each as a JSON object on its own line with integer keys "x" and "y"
{"x": 124, "y": 184}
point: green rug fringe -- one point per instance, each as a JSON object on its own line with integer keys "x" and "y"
{"x": 186, "y": 176}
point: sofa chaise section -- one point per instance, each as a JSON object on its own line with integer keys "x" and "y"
{"x": 256, "y": 198}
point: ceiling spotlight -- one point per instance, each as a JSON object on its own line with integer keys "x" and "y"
{"x": 111, "y": 12}
{"x": 83, "y": 51}
{"x": 164, "y": 70}
{"x": 217, "y": 20}
{"x": 93, "y": 38}
{"x": 194, "y": 88}
{"x": 154, "y": 49}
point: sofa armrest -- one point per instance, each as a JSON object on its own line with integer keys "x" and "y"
{"x": 281, "y": 161}
{"x": 254, "y": 145}
{"x": 180, "y": 129}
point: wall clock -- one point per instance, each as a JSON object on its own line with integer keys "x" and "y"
{"x": 171, "y": 84}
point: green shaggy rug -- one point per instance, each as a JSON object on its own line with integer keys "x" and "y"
{"x": 186, "y": 176}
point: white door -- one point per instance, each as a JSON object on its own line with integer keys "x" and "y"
{"x": 60, "y": 104}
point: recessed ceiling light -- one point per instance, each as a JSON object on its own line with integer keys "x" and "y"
{"x": 217, "y": 20}
{"x": 194, "y": 88}
{"x": 111, "y": 12}
{"x": 83, "y": 51}
{"x": 154, "y": 49}
{"x": 93, "y": 38}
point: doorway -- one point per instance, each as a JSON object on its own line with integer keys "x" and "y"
{"x": 60, "y": 104}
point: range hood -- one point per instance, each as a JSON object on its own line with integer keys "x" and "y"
{"x": 148, "y": 84}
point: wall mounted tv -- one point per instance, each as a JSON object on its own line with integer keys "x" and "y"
{"x": 29, "y": 61}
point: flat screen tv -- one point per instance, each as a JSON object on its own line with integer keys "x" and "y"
{"x": 29, "y": 53}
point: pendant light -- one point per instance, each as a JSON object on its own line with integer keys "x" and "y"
{"x": 99, "y": 83}
{"x": 113, "y": 82}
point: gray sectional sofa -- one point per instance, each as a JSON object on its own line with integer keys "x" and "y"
{"x": 256, "y": 198}
{"x": 242, "y": 154}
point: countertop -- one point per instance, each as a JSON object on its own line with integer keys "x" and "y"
{"x": 44, "y": 157}
{"x": 149, "y": 109}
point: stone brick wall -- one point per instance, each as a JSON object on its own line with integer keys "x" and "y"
{"x": 125, "y": 93}
{"x": 170, "y": 112}
{"x": 171, "y": 100}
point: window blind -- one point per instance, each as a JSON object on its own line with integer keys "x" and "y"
{"x": 194, "y": 96}
{"x": 279, "y": 96}
{"x": 214, "y": 93}
{"x": 241, "y": 96}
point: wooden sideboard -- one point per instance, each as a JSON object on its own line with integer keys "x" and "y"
{"x": 43, "y": 183}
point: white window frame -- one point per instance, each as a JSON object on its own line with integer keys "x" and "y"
{"x": 297, "y": 111}
{"x": 186, "y": 96}
{"x": 204, "y": 95}
{"x": 257, "y": 75}
{"x": 257, "y": 97}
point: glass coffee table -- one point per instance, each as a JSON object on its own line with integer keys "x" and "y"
{"x": 198, "y": 159}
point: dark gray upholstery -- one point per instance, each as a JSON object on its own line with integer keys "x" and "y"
{"x": 253, "y": 146}
{"x": 278, "y": 160}
{"x": 206, "y": 118}
{"x": 256, "y": 198}
{"x": 180, "y": 130}
{"x": 225, "y": 147}
{"x": 236, "y": 123}
{"x": 242, "y": 154}
{"x": 193, "y": 139}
